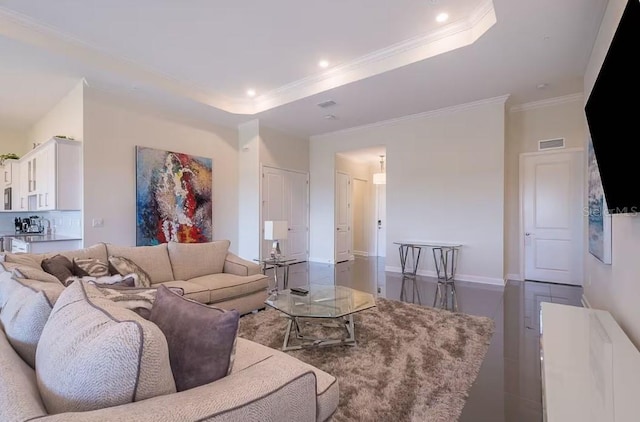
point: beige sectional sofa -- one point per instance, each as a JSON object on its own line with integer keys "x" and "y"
{"x": 207, "y": 272}
{"x": 264, "y": 384}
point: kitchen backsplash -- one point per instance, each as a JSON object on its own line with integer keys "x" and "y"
{"x": 67, "y": 223}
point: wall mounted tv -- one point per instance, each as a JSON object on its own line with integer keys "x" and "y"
{"x": 613, "y": 115}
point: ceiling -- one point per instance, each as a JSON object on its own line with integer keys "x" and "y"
{"x": 365, "y": 155}
{"x": 387, "y": 59}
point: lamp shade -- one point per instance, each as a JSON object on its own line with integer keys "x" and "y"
{"x": 379, "y": 178}
{"x": 276, "y": 230}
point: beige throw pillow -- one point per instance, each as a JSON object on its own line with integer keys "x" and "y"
{"x": 92, "y": 267}
{"x": 95, "y": 354}
{"x": 124, "y": 266}
{"x": 22, "y": 271}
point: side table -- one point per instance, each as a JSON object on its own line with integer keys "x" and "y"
{"x": 445, "y": 259}
{"x": 276, "y": 263}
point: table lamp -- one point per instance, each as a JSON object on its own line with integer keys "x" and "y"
{"x": 276, "y": 231}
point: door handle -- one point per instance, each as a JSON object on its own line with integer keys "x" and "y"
{"x": 527, "y": 234}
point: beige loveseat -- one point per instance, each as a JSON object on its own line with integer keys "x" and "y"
{"x": 264, "y": 384}
{"x": 207, "y": 272}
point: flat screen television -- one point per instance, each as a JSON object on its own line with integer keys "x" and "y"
{"x": 613, "y": 116}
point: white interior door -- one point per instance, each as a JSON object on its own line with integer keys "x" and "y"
{"x": 552, "y": 217}
{"x": 285, "y": 196}
{"x": 381, "y": 220}
{"x": 297, "y": 192}
{"x": 343, "y": 217}
{"x": 360, "y": 220}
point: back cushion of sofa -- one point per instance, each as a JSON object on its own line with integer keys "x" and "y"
{"x": 154, "y": 260}
{"x": 95, "y": 354}
{"x": 190, "y": 260}
{"x": 25, "y": 310}
{"x": 98, "y": 251}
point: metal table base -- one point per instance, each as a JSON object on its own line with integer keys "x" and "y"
{"x": 294, "y": 331}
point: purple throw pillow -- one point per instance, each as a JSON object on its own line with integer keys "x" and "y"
{"x": 201, "y": 338}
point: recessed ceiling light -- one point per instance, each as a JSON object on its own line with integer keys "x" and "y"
{"x": 542, "y": 86}
{"x": 251, "y": 92}
{"x": 330, "y": 117}
{"x": 323, "y": 64}
{"x": 442, "y": 17}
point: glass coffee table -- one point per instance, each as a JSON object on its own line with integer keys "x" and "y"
{"x": 329, "y": 306}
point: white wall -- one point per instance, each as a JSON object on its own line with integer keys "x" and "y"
{"x": 445, "y": 182}
{"x": 13, "y": 141}
{"x": 616, "y": 287}
{"x": 111, "y": 132}
{"x": 249, "y": 231}
{"x": 561, "y": 118}
{"x": 284, "y": 151}
{"x": 65, "y": 119}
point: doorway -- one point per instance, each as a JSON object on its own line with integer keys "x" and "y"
{"x": 285, "y": 196}
{"x": 551, "y": 215}
{"x": 360, "y": 217}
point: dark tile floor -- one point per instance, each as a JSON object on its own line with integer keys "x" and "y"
{"x": 508, "y": 387}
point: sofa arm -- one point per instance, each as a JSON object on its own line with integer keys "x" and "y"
{"x": 235, "y": 265}
{"x": 274, "y": 389}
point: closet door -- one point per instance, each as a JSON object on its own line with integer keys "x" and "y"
{"x": 285, "y": 196}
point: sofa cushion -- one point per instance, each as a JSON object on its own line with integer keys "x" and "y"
{"x": 191, "y": 290}
{"x": 154, "y": 260}
{"x": 19, "y": 396}
{"x": 22, "y": 271}
{"x": 30, "y": 260}
{"x": 59, "y": 266}
{"x": 95, "y": 354}
{"x": 124, "y": 266}
{"x": 201, "y": 338}
{"x": 25, "y": 310}
{"x": 98, "y": 251}
{"x": 227, "y": 286}
{"x": 190, "y": 260}
{"x": 90, "y": 267}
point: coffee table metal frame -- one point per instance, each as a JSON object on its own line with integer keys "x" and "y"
{"x": 333, "y": 318}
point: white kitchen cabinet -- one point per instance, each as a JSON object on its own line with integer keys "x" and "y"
{"x": 23, "y": 187}
{"x": 10, "y": 183}
{"x": 53, "y": 173}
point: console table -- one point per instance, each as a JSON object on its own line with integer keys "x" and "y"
{"x": 590, "y": 368}
{"x": 445, "y": 259}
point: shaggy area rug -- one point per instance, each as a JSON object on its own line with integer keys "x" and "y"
{"x": 411, "y": 363}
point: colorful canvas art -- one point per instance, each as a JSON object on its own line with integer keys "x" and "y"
{"x": 173, "y": 197}
{"x": 599, "y": 218}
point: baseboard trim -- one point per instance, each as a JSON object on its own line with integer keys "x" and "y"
{"x": 585, "y": 302}
{"x": 515, "y": 277}
{"x": 459, "y": 277}
{"x": 360, "y": 253}
{"x": 321, "y": 260}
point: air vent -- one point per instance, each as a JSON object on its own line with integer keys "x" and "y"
{"x": 326, "y": 104}
{"x": 551, "y": 144}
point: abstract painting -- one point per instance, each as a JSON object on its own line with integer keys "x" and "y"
{"x": 173, "y": 197}
{"x": 599, "y": 217}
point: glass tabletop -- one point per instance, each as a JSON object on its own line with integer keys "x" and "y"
{"x": 322, "y": 301}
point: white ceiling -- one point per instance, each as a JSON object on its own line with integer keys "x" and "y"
{"x": 388, "y": 59}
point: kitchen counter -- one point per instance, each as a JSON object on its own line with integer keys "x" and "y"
{"x": 35, "y": 237}
{"x": 39, "y": 243}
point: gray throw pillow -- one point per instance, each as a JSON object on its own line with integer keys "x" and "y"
{"x": 125, "y": 266}
{"x": 92, "y": 267}
{"x": 201, "y": 338}
{"x": 59, "y": 266}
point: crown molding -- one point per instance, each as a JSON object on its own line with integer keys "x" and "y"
{"x": 424, "y": 115}
{"x": 450, "y": 37}
{"x": 547, "y": 103}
